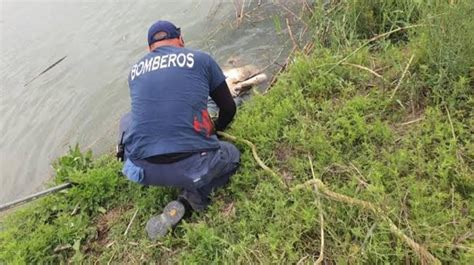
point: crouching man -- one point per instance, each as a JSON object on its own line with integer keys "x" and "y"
{"x": 168, "y": 137}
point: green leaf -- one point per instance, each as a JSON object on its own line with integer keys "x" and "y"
{"x": 77, "y": 245}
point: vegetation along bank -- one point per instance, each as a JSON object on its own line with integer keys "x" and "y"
{"x": 368, "y": 143}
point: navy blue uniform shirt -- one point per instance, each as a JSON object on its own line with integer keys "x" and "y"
{"x": 169, "y": 90}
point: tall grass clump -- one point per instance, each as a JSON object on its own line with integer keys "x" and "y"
{"x": 380, "y": 112}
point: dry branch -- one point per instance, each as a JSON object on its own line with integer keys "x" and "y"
{"x": 366, "y": 69}
{"x": 412, "y": 121}
{"x": 111, "y": 258}
{"x": 239, "y": 11}
{"x": 450, "y": 123}
{"x": 241, "y": 16}
{"x": 403, "y": 76}
{"x": 130, "y": 224}
{"x": 295, "y": 44}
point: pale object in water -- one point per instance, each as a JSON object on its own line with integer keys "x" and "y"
{"x": 241, "y": 79}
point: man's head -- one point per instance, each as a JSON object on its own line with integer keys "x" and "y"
{"x": 163, "y": 33}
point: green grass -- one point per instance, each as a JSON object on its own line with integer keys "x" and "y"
{"x": 412, "y": 155}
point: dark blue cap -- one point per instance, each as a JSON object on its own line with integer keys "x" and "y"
{"x": 162, "y": 26}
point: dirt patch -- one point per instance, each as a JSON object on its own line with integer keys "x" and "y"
{"x": 283, "y": 153}
{"x": 103, "y": 224}
{"x": 228, "y": 210}
{"x": 106, "y": 221}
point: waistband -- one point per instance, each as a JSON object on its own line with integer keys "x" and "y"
{"x": 168, "y": 158}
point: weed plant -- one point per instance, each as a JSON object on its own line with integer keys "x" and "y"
{"x": 409, "y": 151}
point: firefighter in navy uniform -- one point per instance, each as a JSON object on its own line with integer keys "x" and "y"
{"x": 168, "y": 138}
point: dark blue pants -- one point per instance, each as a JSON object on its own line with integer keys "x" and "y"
{"x": 198, "y": 175}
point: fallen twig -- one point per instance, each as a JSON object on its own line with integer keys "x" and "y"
{"x": 160, "y": 245}
{"x": 295, "y": 44}
{"x": 412, "y": 121}
{"x": 466, "y": 236}
{"x": 301, "y": 260}
{"x": 401, "y": 78}
{"x": 113, "y": 255}
{"x": 368, "y": 236}
{"x": 130, "y": 224}
{"x": 76, "y": 208}
{"x": 362, "y": 181}
{"x": 62, "y": 247}
{"x": 110, "y": 244}
{"x": 239, "y": 14}
{"x": 450, "y": 123}
{"x": 236, "y": 8}
{"x": 306, "y": 5}
{"x": 302, "y": 33}
{"x": 308, "y": 48}
{"x": 458, "y": 155}
{"x": 366, "y": 69}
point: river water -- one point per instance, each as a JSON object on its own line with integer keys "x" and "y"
{"x": 81, "y": 99}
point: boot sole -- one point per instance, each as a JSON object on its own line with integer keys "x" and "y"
{"x": 159, "y": 225}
